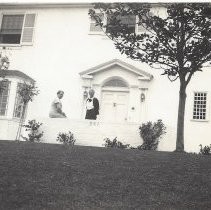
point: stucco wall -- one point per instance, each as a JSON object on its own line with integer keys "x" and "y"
{"x": 63, "y": 47}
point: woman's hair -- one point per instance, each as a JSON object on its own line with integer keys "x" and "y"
{"x": 60, "y": 91}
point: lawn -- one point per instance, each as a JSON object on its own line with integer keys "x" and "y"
{"x": 46, "y": 176}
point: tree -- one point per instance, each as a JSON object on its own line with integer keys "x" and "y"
{"x": 179, "y": 42}
{"x": 26, "y": 93}
{"x": 4, "y": 62}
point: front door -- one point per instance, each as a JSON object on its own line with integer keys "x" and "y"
{"x": 114, "y": 106}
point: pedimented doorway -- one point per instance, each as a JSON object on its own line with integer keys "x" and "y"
{"x": 114, "y": 101}
{"x": 121, "y": 89}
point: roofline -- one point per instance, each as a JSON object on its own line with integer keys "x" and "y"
{"x": 79, "y": 4}
{"x": 15, "y": 73}
{"x": 44, "y": 5}
{"x": 115, "y": 61}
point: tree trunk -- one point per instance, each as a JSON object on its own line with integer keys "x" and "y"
{"x": 180, "y": 119}
{"x": 20, "y": 124}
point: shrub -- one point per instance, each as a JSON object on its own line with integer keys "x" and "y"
{"x": 133, "y": 147}
{"x": 114, "y": 143}
{"x": 66, "y": 138}
{"x": 206, "y": 150}
{"x": 151, "y": 133}
{"x": 34, "y": 134}
{"x": 26, "y": 92}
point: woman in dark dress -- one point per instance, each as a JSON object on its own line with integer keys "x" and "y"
{"x": 92, "y": 106}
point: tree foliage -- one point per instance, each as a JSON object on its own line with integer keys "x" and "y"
{"x": 151, "y": 133}
{"x": 115, "y": 143}
{"x": 176, "y": 40}
{"x": 4, "y": 62}
{"x": 66, "y": 138}
{"x": 34, "y": 135}
{"x": 4, "y": 65}
{"x": 179, "y": 41}
{"x": 26, "y": 92}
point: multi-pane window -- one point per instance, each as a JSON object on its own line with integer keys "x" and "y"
{"x": 200, "y": 106}
{"x": 129, "y": 21}
{"x": 11, "y": 29}
{"x": 4, "y": 95}
{"x": 18, "y": 110}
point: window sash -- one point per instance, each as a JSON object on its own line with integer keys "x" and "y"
{"x": 129, "y": 20}
{"x": 12, "y": 24}
{"x": 4, "y": 98}
{"x": 200, "y": 106}
{"x": 11, "y": 28}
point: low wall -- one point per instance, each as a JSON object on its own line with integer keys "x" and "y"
{"x": 93, "y": 133}
{"x": 8, "y": 129}
{"x": 90, "y": 133}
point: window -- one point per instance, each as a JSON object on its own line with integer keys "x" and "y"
{"x": 17, "y": 28}
{"x": 11, "y": 29}
{"x": 115, "y": 83}
{"x": 18, "y": 110}
{"x": 129, "y": 21}
{"x": 4, "y": 95}
{"x": 200, "y": 106}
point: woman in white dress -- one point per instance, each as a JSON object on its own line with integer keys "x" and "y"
{"x": 56, "y": 106}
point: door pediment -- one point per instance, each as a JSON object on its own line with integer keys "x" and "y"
{"x": 98, "y": 74}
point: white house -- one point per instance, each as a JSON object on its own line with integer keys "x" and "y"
{"x": 59, "y": 47}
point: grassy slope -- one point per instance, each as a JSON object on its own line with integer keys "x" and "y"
{"x": 44, "y": 176}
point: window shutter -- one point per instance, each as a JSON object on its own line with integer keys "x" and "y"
{"x": 28, "y": 29}
{"x": 140, "y": 28}
{"x": 93, "y": 27}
